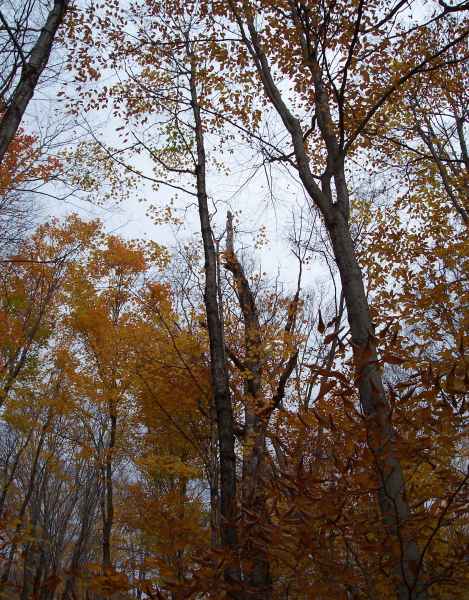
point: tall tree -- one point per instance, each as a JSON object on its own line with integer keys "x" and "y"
{"x": 325, "y": 50}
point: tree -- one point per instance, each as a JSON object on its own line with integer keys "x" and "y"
{"x": 24, "y": 166}
{"x": 240, "y": 437}
{"x": 31, "y": 281}
{"x": 328, "y": 88}
{"x": 33, "y": 61}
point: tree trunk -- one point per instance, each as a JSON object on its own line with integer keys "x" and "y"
{"x": 382, "y": 439}
{"x": 90, "y": 500}
{"x": 108, "y": 515}
{"x": 214, "y": 480}
{"x": 221, "y": 391}
{"x": 259, "y": 582}
{"x": 30, "y": 74}
{"x": 24, "y": 505}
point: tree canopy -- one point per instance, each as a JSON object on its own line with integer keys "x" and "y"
{"x": 177, "y": 422}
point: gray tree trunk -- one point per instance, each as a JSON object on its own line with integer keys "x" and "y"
{"x": 30, "y": 75}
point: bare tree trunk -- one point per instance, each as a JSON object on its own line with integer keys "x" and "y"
{"x": 30, "y": 74}
{"x": 9, "y": 479}
{"x": 35, "y": 558}
{"x": 32, "y": 553}
{"x": 90, "y": 500}
{"x": 257, "y": 415}
{"x": 214, "y": 480}
{"x": 458, "y": 195}
{"x": 108, "y": 515}
{"x": 221, "y": 391}
{"x": 24, "y": 505}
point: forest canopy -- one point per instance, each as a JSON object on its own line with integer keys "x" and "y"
{"x": 178, "y": 422}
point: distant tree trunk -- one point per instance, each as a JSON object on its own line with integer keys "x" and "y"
{"x": 24, "y": 505}
{"x": 8, "y": 479}
{"x": 108, "y": 513}
{"x": 90, "y": 499}
{"x": 30, "y": 75}
{"x": 454, "y": 169}
{"x": 29, "y": 556}
{"x": 32, "y": 554}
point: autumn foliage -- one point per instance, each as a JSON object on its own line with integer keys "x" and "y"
{"x": 175, "y": 422}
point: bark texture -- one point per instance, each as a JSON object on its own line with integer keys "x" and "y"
{"x": 30, "y": 75}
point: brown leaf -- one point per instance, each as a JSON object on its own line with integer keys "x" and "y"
{"x": 321, "y": 326}
{"x": 329, "y": 373}
{"x": 393, "y": 359}
{"x": 327, "y": 386}
{"x": 328, "y": 339}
